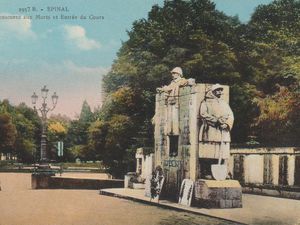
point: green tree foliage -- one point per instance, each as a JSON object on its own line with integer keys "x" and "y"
{"x": 25, "y": 142}
{"x": 275, "y": 43}
{"x": 275, "y": 29}
{"x": 27, "y": 130}
{"x": 56, "y": 131}
{"x": 83, "y": 152}
{"x": 256, "y": 59}
{"x": 117, "y": 141}
{"x": 188, "y": 33}
{"x": 62, "y": 119}
{"x": 278, "y": 122}
{"x": 8, "y": 133}
{"x": 244, "y": 110}
{"x": 86, "y": 115}
{"x": 114, "y": 132}
{"x": 259, "y": 60}
{"x": 277, "y": 23}
{"x": 80, "y": 127}
{"x": 192, "y": 34}
{"x": 76, "y": 140}
{"x": 29, "y": 127}
{"x": 97, "y": 137}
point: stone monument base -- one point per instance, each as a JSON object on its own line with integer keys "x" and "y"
{"x": 40, "y": 178}
{"x": 218, "y": 194}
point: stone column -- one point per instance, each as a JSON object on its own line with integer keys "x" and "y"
{"x": 291, "y": 170}
{"x": 275, "y": 169}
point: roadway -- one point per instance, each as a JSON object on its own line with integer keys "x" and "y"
{"x": 20, "y": 205}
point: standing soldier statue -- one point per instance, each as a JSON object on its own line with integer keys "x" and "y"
{"x": 172, "y": 100}
{"x": 214, "y": 135}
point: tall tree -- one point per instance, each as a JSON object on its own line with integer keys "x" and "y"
{"x": 28, "y": 126}
{"x": 8, "y": 134}
{"x": 86, "y": 115}
{"x": 76, "y": 141}
{"x": 258, "y": 60}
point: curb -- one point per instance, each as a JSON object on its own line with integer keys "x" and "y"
{"x": 111, "y": 194}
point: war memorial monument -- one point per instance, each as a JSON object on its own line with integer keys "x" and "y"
{"x": 192, "y": 141}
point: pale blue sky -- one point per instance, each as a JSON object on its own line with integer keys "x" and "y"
{"x": 71, "y": 56}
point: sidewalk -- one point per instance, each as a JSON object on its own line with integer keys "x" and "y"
{"x": 256, "y": 209}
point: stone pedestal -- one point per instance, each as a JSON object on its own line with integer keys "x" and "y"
{"x": 218, "y": 194}
{"x": 40, "y": 178}
{"x": 127, "y": 182}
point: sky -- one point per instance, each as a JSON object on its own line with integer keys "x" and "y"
{"x": 70, "y": 50}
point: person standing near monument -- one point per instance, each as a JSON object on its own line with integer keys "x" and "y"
{"x": 217, "y": 121}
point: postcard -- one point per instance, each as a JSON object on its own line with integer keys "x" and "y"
{"x": 149, "y": 112}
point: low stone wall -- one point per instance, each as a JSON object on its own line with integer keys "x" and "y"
{"x": 283, "y": 192}
{"x": 267, "y": 171}
{"x": 52, "y": 182}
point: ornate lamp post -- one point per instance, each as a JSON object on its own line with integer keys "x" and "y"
{"x": 44, "y": 109}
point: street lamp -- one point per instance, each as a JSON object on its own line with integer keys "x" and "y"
{"x": 44, "y": 109}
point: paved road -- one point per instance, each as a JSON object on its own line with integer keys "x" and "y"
{"x": 19, "y": 205}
